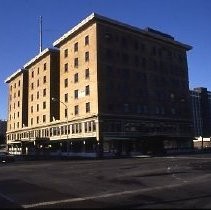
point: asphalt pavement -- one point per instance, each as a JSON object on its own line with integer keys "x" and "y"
{"x": 181, "y": 182}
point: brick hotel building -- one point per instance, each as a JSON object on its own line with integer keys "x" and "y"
{"x": 105, "y": 86}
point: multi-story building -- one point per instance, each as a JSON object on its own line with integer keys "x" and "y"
{"x": 201, "y": 111}
{"x": 118, "y": 88}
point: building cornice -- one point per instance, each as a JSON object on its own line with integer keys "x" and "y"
{"x": 146, "y": 32}
{"x": 14, "y": 75}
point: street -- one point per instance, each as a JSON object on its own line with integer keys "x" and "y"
{"x": 154, "y": 182}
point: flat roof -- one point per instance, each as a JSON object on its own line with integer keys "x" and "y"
{"x": 14, "y": 75}
{"x": 152, "y": 33}
{"x": 44, "y": 52}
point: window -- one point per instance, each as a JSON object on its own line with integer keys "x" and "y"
{"x": 86, "y": 73}
{"x": 19, "y": 93}
{"x": 65, "y": 112}
{"x": 76, "y": 62}
{"x": 18, "y": 103}
{"x": 44, "y": 79}
{"x": 44, "y": 105}
{"x": 65, "y": 53}
{"x": 31, "y": 97}
{"x": 87, "y": 92}
{"x": 32, "y": 74}
{"x": 31, "y": 109}
{"x": 87, "y": 107}
{"x": 44, "y": 66}
{"x": 37, "y": 107}
{"x": 38, "y": 71}
{"x": 38, "y": 95}
{"x": 44, "y": 92}
{"x": 76, "y": 94}
{"x": 66, "y": 82}
{"x": 76, "y": 47}
{"x": 86, "y": 40}
{"x": 31, "y": 121}
{"x": 44, "y": 118}
{"x": 76, "y": 110}
{"x": 38, "y": 83}
{"x": 37, "y": 119}
{"x": 86, "y": 56}
{"x": 19, "y": 83}
{"x": 66, "y": 97}
{"x": 76, "y": 77}
{"x": 32, "y": 85}
{"x": 66, "y": 67}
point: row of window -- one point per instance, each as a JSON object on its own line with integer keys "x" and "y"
{"x": 38, "y": 70}
{"x": 19, "y": 83}
{"x": 86, "y": 127}
{"x": 76, "y": 46}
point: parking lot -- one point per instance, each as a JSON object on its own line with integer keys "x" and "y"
{"x": 157, "y": 182}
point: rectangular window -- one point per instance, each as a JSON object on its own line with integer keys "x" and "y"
{"x": 44, "y": 118}
{"x": 86, "y": 40}
{"x": 44, "y": 105}
{"x": 66, "y": 82}
{"x": 76, "y": 94}
{"x": 76, "y": 110}
{"x": 33, "y": 74}
{"x": 86, "y": 73}
{"x": 86, "y": 56}
{"x": 38, "y": 71}
{"x": 32, "y": 85}
{"x": 38, "y": 95}
{"x": 87, "y": 92}
{"x": 66, "y": 97}
{"x": 87, "y": 107}
{"x": 44, "y": 79}
{"x": 66, "y": 67}
{"x": 31, "y": 121}
{"x": 37, "y": 119}
{"x": 44, "y": 92}
{"x": 65, "y": 53}
{"x": 37, "y": 107}
{"x": 76, "y": 47}
{"x": 44, "y": 66}
{"x": 38, "y": 83}
{"x": 19, "y": 83}
{"x": 76, "y": 78}
{"x": 65, "y": 112}
{"x": 76, "y": 62}
{"x": 19, "y": 93}
{"x": 31, "y": 97}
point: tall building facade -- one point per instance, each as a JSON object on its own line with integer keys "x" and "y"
{"x": 112, "y": 88}
{"x": 201, "y": 111}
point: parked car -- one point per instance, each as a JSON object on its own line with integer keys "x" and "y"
{"x": 6, "y": 157}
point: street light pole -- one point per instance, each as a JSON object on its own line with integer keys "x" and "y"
{"x": 57, "y": 100}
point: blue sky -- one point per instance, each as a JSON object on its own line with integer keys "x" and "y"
{"x": 187, "y": 20}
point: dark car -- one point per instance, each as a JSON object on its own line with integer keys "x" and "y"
{"x": 6, "y": 157}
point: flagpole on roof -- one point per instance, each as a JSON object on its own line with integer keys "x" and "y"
{"x": 40, "y": 34}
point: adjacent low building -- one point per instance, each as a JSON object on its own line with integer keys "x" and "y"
{"x": 105, "y": 87}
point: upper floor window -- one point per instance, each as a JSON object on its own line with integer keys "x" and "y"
{"x": 86, "y": 56}
{"x": 87, "y": 107}
{"x": 44, "y": 92}
{"x": 66, "y": 97}
{"x": 76, "y": 47}
{"x": 32, "y": 74}
{"x": 45, "y": 66}
{"x": 87, "y": 91}
{"x": 44, "y": 79}
{"x": 66, "y": 67}
{"x": 86, "y": 73}
{"x": 44, "y": 118}
{"x": 76, "y": 94}
{"x": 38, "y": 71}
{"x": 76, "y": 62}
{"x": 76, "y": 110}
{"x": 66, "y": 82}
{"x": 76, "y": 77}
{"x": 44, "y": 105}
{"x": 86, "y": 40}
{"x": 19, "y": 83}
{"x": 65, "y": 53}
